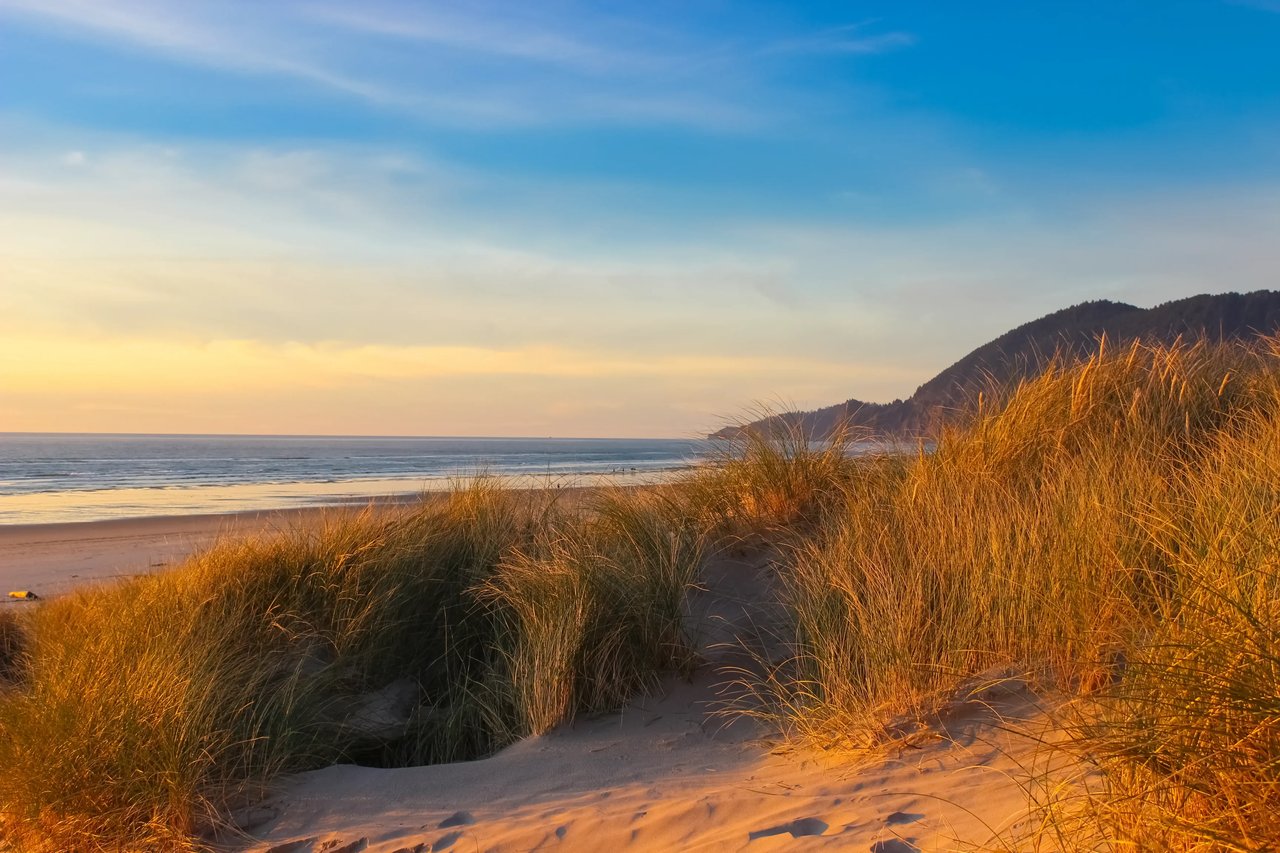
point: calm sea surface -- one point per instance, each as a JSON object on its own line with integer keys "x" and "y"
{"x": 60, "y": 477}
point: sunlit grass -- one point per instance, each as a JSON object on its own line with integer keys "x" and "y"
{"x": 1188, "y": 739}
{"x": 1109, "y": 533}
{"x": 774, "y": 482}
{"x": 154, "y": 707}
{"x": 12, "y": 647}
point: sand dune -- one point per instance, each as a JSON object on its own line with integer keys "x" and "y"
{"x": 671, "y": 785}
{"x": 672, "y": 773}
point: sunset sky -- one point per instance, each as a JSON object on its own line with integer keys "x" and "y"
{"x": 608, "y": 219}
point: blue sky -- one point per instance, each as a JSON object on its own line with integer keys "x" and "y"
{"x": 610, "y": 219}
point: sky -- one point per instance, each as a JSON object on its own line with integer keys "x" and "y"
{"x": 596, "y": 219}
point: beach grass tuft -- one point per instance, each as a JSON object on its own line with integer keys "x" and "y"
{"x": 1188, "y": 740}
{"x": 1108, "y": 534}
{"x": 152, "y": 709}
{"x": 12, "y": 647}
{"x": 595, "y": 611}
{"x": 774, "y": 481}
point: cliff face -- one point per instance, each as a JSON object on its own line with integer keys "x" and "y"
{"x": 1072, "y": 332}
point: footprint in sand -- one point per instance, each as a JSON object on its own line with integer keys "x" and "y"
{"x": 301, "y": 845}
{"x": 444, "y": 842}
{"x": 900, "y": 818}
{"x": 254, "y": 817}
{"x": 798, "y": 828}
{"x": 457, "y": 819}
{"x": 356, "y": 846}
{"x": 894, "y": 845}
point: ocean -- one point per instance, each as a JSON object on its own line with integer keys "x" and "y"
{"x": 48, "y": 477}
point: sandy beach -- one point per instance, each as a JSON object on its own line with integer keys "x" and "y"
{"x": 50, "y": 559}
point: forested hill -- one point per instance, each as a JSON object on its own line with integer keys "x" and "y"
{"x": 1073, "y": 332}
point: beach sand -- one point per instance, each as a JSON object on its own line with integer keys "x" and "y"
{"x": 50, "y": 559}
{"x": 670, "y": 772}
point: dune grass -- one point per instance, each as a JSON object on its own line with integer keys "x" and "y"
{"x": 150, "y": 710}
{"x": 12, "y": 647}
{"x": 596, "y": 612}
{"x": 1188, "y": 740}
{"x": 776, "y": 485}
{"x": 1107, "y": 532}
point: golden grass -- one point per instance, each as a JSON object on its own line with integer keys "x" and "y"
{"x": 777, "y": 483}
{"x": 1109, "y": 531}
{"x": 596, "y": 611}
{"x": 151, "y": 709}
{"x": 1188, "y": 740}
{"x": 12, "y": 647}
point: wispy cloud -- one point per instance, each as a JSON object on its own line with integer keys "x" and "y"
{"x": 848, "y": 39}
{"x": 306, "y": 42}
{"x": 435, "y": 63}
{"x": 496, "y": 33}
{"x": 165, "y": 384}
{"x": 350, "y": 268}
{"x": 189, "y": 33}
{"x": 271, "y": 242}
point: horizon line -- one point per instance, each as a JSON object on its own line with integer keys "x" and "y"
{"x": 345, "y": 435}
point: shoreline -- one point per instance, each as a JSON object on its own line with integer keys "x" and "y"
{"x": 53, "y": 558}
{"x": 128, "y": 504}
